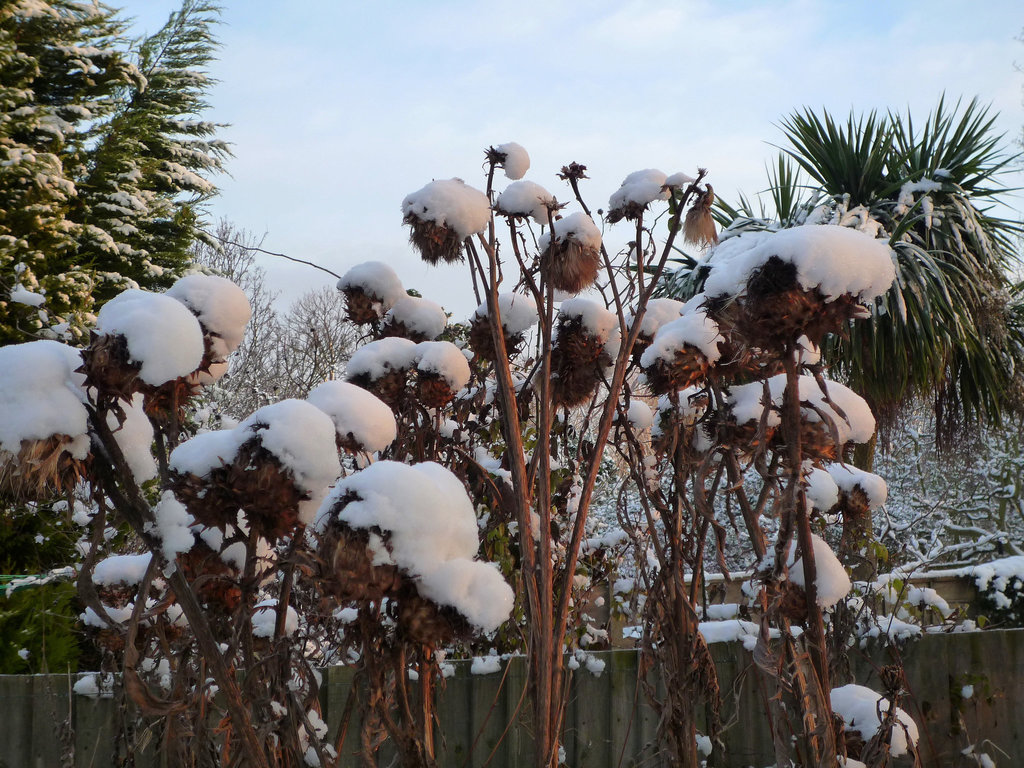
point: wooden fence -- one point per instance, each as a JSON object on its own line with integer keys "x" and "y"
{"x": 608, "y": 723}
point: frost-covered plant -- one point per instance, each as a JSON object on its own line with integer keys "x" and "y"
{"x": 229, "y": 578}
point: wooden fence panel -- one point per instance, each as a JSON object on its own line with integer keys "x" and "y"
{"x": 609, "y": 723}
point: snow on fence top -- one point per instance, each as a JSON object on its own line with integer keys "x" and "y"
{"x": 162, "y": 335}
{"x": 835, "y": 260}
{"x": 41, "y": 396}
{"x": 221, "y": 306}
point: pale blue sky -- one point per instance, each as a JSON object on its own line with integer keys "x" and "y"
{"x": 339, "y": 109}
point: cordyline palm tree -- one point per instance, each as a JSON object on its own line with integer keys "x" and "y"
{"x": 951, "y": 328}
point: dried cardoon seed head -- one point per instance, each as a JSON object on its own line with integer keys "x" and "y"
{"x": 776, "y": 311}
{"x": 215, "y": 581}
{"x": 255, "y": 482}
{"x": 40, "y": 469}
{"x": 699, "y": 226}
{"x": 433, "y": 390}
{"x": 571, "y": 257}
{"x": 436, "y": 242}
{"x": 360, "y": 307}
{"x": 107, "y": 368}
{"x": 389, "y": 387}
{"x": 687, "y": 367}
{"x": 578, "y": 361}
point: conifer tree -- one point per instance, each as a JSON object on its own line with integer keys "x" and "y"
{"x": 104, "y": 158}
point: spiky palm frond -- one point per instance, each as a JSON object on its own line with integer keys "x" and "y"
{"x": 952, "y": 325}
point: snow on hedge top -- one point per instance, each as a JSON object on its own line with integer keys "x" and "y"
{"x": 163, "y": 336}
{"x": 640, "y": 188}
{"x": 380, "y": 357}
{"x": 658, "y": 312}
{"x": 746, "y": 403}
{"x": 576, "y": 226}
{"x": 996, "y": 576}
{"x": 297, "y": 433}
{"x": 599, "y": 322}
{"x": 356, "y": 412}
{"x": 516, "y": 162}
{"x": 221, "y": 306}
{"x": 835, "y": 260}
{"x": 374, "y": 278}
{"x": 831, "y": 578}
{"x": 432, "y": 535}
{"x": 860, "y": 708}
{"x": 848, "y": 477}
{"x": 452, "y": 203}
{"x": 121, "y": 569}
{"x": 41, "y": 396}
{"x": 444, "y": 359}
{"x": 518, "y": 312}
{"x": 525, "y": 198}
{"x": 419, "y": 316}
{"x": 694, "y": 328}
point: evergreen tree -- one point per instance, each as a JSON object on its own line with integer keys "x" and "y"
{"x": 103, "y": 158}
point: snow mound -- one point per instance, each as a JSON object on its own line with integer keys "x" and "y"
{"x": 420, "y": 316}
{"x": 575, "y": 226}
{"x": 380, "y": 357}
{"x": 860, "y": 707}
{"x": 848, "y": 477}
{"x": 41, "y": 396}
{"x": 445, "y": 360}
{"x": 694, "y": 328}
{"x": 432, "y": 534}
{"x": 835, "y": 260}
{"x": 221, "y": 306}
{"x": 374, "y": 278}
{"x": 517, "y": 310}
{"x": 451, "y": 203}
{"x": 163, "y": 336}
{"x": 516, "y": 162}
{"x": 831, "y": 579}
{"x": 639, "y": 189}
{"x": 657, "y": 313}
{"x": 525, "y": 198}
{"x": 357, "y": 414}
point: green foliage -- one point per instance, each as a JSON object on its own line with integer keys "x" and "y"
{"x": 39, "y": 620}
{"x": 950, "y": 327}
{"x": 103, "y": 158}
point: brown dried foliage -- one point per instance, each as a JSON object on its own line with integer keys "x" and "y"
{"x": 436, "y": 242}
{"x": 570, "y": 265}
{"x": 578, "y": 362}
{"x": 360, "y": 307}
{"x": 255, "y": 483}
{"x": 688, "y": 366}
{"x": 41, "y": 468}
